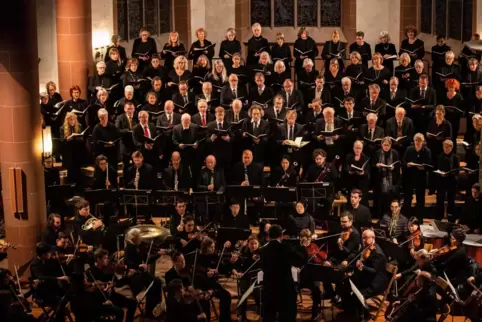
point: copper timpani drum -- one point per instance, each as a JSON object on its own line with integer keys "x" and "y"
{"x": 473, "y": 244}
{"x": 149, "y": 233}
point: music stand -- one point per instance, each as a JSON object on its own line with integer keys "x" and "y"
{"x": 207, "y": 198}
{"x": 280, "y": 195}
{"x": 243, "y": 192}
{"x": 99, "y": 197}
{"x": 232, "y": 234}
{"x": 392, "y": 250}
{"x": 135, "y": 198}
{"x": 169, "y": 197}
{"x": 315, "y": 192}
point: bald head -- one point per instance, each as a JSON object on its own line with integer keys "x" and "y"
{"x": 368, "y": 237}
{"x": 210, "y": 162}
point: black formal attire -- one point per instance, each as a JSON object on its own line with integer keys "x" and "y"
{"x": 228, "y": 95}
{"x": 255, "y": 175}
{"x": 104, "y": 81}
{"x": 356, "y": 73}
{"x": 276, "y": 80}
{"x": 362, "y": 216}
{"x": 328, "y": 143}
{"x": 421, "y": 116}
{"x": 240, "y": 221}
{"x": 242, "y": 266}
{"x": 387, "y": 181}
{"x": 306, "y": 82}
{"x": 169, "y": 53}
{"x": 140, "y": 140}
{"x": 122, "y": 54}
{"x": 100, "y": 178}
{"x": 242, "y": 72}
{"x": 124, "y": 125}
{"x": 364, "y": 50}
{"x": 198, "y": 119}
{"x": 377, "y": 106}
{"x": 175, "y": 79}
{"x": 435, "y": 142}
{"x": 324, "y": 94}
{"x": 333, "y": 85}
{"x": 76, "y": 106}
{"x": 140, "y": 48}
{"x": 282, "y": 53}
{"x": 146, "y": 177}
{"x": 417, "y": 178}
{"x": 300, "y": 222}
{"x": 378, "y": 76}
{"x": 397, "y": 129}
{"x": 471, "y": 213}
{"x": 279, "y": 293}
{"x": 352, "y": 178}
{"x": 212, "y": 100}
{"x": 446, "y": 72}
{"x": 287, "y": 132}
{"x": 184, "y": 179}
{"x": 194, "y": 51}
{"x": 199, "y": 75}
{"x": 438, "y": 56}
{"x": 101, "y": 135}
{"x": 256, "y": 45}
{"x": 50, "y": 236}
{"x": 119, "y": 105}
{"x": 221, "y": 149}
{"x": 452, "y": 115}
{"x": 304, "y": 47}
{"x": 368, "y": 135}
{"x": 415, "y": 51}
{"x": 73, "y": 155}
{"x": 404, "y": 75}
{"x": 447, "y": 185}
{"x": 387, "y": 49}
{"x": 205, "y": 178}
{"x": 261, "y": 127}
{"x": 136, "y": 80}
{"x": 332, "y": 50}
{"x": 184, "y": 103}
{"x": 189, "y": 154}
{"x": 229, "y": 48}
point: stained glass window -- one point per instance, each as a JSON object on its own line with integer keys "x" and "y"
{"x": 467, "y": 20}
{"x": 165, "y": 12}
{"x": 426, "y": 16}
{"x": 330, "y": 13}
{"x": 134, "y": 8}
{"x": 455, "y": 19}
{"x": 307, "y": 13}
{"x": 283, "y": 13}
{"x": 122, "y": 18}
{"x": 151, "y": 16}
{"x": 441, "y": 18}
{"x": 261, "y": 12}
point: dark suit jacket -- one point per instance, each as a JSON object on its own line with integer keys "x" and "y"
{"x": 139, "y": 138}
{"x": 255, "y": 174}
{"x": 196, "y": 118}
{"x": 266, "y": 95}
{"x": 227, "y": 97}
{"x": 269, "y": 113}
{"x": 184, "y": 179}
{"x": 179, "y": 103}
{"x": 430, "y": 95}
{"x": 299, "y": 130}
{"x": 147, "y": 177}
{"x": 379, "y": 105}
{"x": 162, "y": 119}
{"x": 212, "y": 103}
{"x": 229, "y": 115}
{"x": 407, "y": 128}
{"x": 325, "y": 95}
{"x": 296, "y": 97}
{"x": 263, "y": 128}
{"x": 220, "y": 148}
{"x": 204, "y": 179}
{"x": 363, "y": 132}
{"x": 320, "y": 125}
{"x": 373, "y": 278}
{"x": 361, "y": 215}
{"x": 179, "y": 137}
{"x": 122, "y": 125}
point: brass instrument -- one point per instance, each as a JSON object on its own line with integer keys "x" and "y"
{"x": 326, "y": 170}
{"x": 89, "y": 224}
{"x": 136, "y": 179}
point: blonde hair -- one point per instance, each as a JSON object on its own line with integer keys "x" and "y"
{"x": 280, "y": 63}
{"x": 178, "y": 59}
{"x": 201, "y": 29}
{"x": 232, "y": 31}
{"x": 405, "y": 56}
{"x": 357, "y": 55}
{"x": 169, "y": 39}
{"x": 66, "y": 126}
{"x": 265, "y": 53}
{"x": 224, "y": 75}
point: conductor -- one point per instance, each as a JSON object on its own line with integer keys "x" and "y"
{"x": 279, "y": 294}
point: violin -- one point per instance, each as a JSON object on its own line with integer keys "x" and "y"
{"x": 318, "y": 256}
{"x": 416, "y": 240}
{"x": 444, "y": 250}
{"x": 367, "y": 252}
{"x": 346, "y": 234}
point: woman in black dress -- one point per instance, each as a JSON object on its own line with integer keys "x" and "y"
{"x": 378, "y": 74}
{"x": 171, "y": 50}
{"x": 356, "y": 71}
{"x": 218, "y": 77}
{"x": 200, "y": 74}
{"x": 279, "y": 75}
{"x": 305, "y": 47}
{"x": 334, "y": 49}
{"x": 229, "y": 47}
{"x": 73, "y": 148}
{"x": 132, "y": 76}
{"x": 178, "y": 73}
{"x": 387, "y": 50}
{"x": 333, "y": 78}
{"x": 413, "y": 46}
{"x": 307, "y": 77}
{"x": 201, "y": 46}
{"x": 403, "y": 72}
{"x": 256, "y": 45}
{"x": 281, "y": 51}
{"x": 143, "y": 49}
{"x": 239, "y": 70}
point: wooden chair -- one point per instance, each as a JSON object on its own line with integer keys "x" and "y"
{"x": 378, "y": 302}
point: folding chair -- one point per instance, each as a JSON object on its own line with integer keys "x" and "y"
{"x": 378, "y": 302}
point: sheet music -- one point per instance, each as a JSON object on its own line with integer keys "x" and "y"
{"x": 359, "y": 295}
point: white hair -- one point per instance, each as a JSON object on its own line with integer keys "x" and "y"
{"x": 372, "y": 116}
{"x": 307, "y": 62}
{"x": 129, "y": 89}
{"x": 102, "y": 112}
{"x": 328, "y": 109}
{"x": 102, "y": 91}
{"x": 100, "y": 64}
{"x": 346, "y": 80}
{"x": 143, "y": 113}
{"x": 185, "y": 116}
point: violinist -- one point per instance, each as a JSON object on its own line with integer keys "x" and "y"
{"x": 208, "y": 267}
{"x": 180, "y": 304}
{"x": 311, "y": 254}
{"x": 90, "y": 231}
{"x": 175, "y": 222}
{"x": 421, "y": 302}
{"x": 189, "y": 239}
{"x": 51, "y": 233}
{"x": 302, "y": 220}
{"x": 99, "y": 273}
{"x": 244, "y": 269}
{"x": 47, "y": 270}
{"x": 414, "y": 238}
{"x": 369, "y": 274}
{"x": 396, "y": 223}
{"x": 235, "y": 219}
{"x": 63, "y": 249}
{"x": 138, "y": 261}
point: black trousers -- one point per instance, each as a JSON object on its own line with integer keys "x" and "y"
{"x": 224, "y": 298}
{"x": 95, "y": 312}
{"x": 243, "y": 286}
{"x": 278, "y": 303}
{"x": 419, "y": 187}
{"x": 446, "y": 190}
{"x": 124, "y": 302}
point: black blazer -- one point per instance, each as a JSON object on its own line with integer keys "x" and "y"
{"x": 255, "y": 174}
{"x": 184, "y": 179}
{"x": 430, "y": 95}
{"x": 162, "y": 119}
{"x": 227, "y": 97}
{"x": 407, "y": 128}
{"x": 139, "y": 139}
{"x": 299, "y": 130}
{"x": 122, "y": 125}
{"x": 266, "y": 95}
{"x": 196, "y": 119}
{"x": 219, "y": 147}
{"x": 325, "y": 95}
{"x": 179, "y": 137}
{"x": 122, "y": 54}
{"x": 179, "y": 103}
{"x": 263, "y": 128}
{"x": 269, "y": 113}
{"x": 147, "y": 177}
{"x": 229, "y": 115}
{"x": 204, "y": 179}
{"x": 296, "y": 97}
{"x": 194, "y": 54}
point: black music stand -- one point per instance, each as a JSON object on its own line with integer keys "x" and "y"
{"x": 232, "y": 234}
{"x": 315, "y": 192}
{"x": 207, "y": 198}
{"x": 280, "y": 195}
{"x": 164, "y": 197}
{"x": 100, "y": 197}
{"x": 135, "y": 198}
{"x": 392, "y": 251}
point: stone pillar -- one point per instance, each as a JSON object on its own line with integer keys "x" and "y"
{"x": 20, "y": 133}
{"x": 74, "y": 44}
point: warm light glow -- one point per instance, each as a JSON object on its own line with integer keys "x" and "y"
{"x": 100, "y": 38}
{"x": 47, "y": 141}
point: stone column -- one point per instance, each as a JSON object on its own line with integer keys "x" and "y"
{"x": 74, "y": 44}
{"x": 20, "y": 133}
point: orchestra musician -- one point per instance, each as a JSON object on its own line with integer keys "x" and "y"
{"x": 140, "y": 175}
{"x": 285, "y": 175}
{"x": 361, "y": 213}
{"x": 470, "y": 219}
{"x": 86, "y": 227}
{"x": 321, "y": 171}
{"x": 244, "y": 269}
{"x": 124, "y": 124}
{"x": 105, "y": 175}
{"x": 301, "y": 220}
{"x": 210, "y": 179}
{"x": 180, "y": 304}
{"x": 279, "y": 293}
{"x": 177, "y": 176}
{"x": 51, "y": 233}
{"x": 176, "y": 219}
{"x": 414, "y": 236}
{"x": 138, "y": 260}
{"x": 188, "y": 239}
{"x": 415, "y": 162}
{"x": 396, "y": 223}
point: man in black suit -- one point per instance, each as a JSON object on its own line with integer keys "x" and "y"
{"x": 277, "y": 111}
{"x": 202, "y": 118}
{"x": 313, "y": 113}
{"x": 232, "y": 92}
{"x": 124, "y": 124}
{"x": 165, "y": 123}
{"x": 218, "y": 140}
{"x": 293, "y": 97}
{"x": 163, "y": 94}
{"x": 289, "y": 130}
{"x": 211, "y": 98}
{"x": 423, "y": 96}
{"x": 236, "y": 113}
{"x": 145, "y": 177}
{"x": 361, "y": 213}
{"x": 371, "y": 134}
{"x": 184, "y": 100}
{"x": 144, "y": 138}
{"x": 256, "y": 133}
{"x": 186, "y": 139}
{"x": 279, "y": 292}
{"x": 319, "y": 91}
{"x": 346, "y": 91}
{"x": 400, "y": 126}
{"x": 260, "y": 94}
{"x": 177, "y": 177}
{"x": 329, "y": 143}
{"x": 352, "y": 119}
{"x": 394, "y": 96}
{"x": 211, "y": 179}
{"x": 374, "y": 104}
